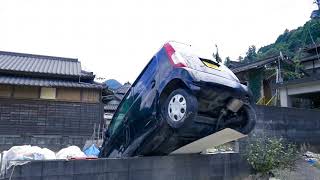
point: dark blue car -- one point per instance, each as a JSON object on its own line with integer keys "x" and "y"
{"x": 179, "y": 97}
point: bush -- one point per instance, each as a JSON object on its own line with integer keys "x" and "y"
{"x": 267, "y": 154}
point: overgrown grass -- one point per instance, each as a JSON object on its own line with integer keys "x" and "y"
{"x": 266, "y": 154}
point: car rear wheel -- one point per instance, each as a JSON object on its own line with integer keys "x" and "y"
{"x": 179, "y": 108}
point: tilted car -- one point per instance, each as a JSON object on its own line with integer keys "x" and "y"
{"x": 179, "y": 97}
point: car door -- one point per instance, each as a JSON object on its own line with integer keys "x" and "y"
{"x": 117, "y": 133}
{"x": 142, "y": 114}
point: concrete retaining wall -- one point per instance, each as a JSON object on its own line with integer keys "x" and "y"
{"x": 182, "y": 167}
{"x": 301, "y": 126}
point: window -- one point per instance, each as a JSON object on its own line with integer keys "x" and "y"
{"x": 150, "y": 70}
{"x": 90, "y": 95}
{"x": 5, "y": 90}
{"x": 48, "y": 93}
{"x": 147, "y": 75}
{"x": 121, "y": 113}
{"x": 26, "y": 92}
{"x": 70, "y": 94}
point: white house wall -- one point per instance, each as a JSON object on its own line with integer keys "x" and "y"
{"x": 304, "y": 88}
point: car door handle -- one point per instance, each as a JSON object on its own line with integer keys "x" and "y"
{"x": 153, "y": 83}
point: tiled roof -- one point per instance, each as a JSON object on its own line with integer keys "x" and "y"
{"x": 254, "y": 65}
{"x": 123, "y": 89}
{"x": 29, "y": 63}
{"x": 28, "y": 81}
{"x": 111, "y": 105}
{"x": 313, "y": 78}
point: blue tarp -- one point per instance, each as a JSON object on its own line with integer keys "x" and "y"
{"x": 92, "y": 151}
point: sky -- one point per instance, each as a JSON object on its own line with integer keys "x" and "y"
{"x": 115, "y": 39}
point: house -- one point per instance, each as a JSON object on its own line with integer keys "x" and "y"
{"x": 47, "y": 100}
{"x": 258, "y": 76}
{"x": 304, "y": 92}
{"x": 113, "y": 100}
{"x": 301, "y": 92}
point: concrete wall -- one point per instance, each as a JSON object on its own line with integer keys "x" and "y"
{"x": 301, "y": 126}
{"x": 297, "y": 125}
{"x": 52, "y": 124}
{"x": 182, "y": 167}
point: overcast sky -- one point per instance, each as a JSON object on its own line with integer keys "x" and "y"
{"x": 116, "y": 38}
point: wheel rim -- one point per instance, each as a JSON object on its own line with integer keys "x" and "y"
{"x": 177, "y": 107}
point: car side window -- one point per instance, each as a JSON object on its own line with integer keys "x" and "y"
{"x": 121, "y": 113}
{"x": 150, "y": 70}
{"x": 146, "y": 76}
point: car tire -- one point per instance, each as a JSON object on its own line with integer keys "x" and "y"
{"x": 251, "y": 119}
{"x": 179, "y": 108}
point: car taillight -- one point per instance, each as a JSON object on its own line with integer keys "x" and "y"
{"x": 175, "y": 57}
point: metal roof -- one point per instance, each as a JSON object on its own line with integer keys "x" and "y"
{"x": 28, "y": 81}
{"x": 30, "y": 63}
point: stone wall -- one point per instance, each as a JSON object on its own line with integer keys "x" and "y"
{"x": 181, "y": 167}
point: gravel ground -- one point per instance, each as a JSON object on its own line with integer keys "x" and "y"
{"x": 303, "y": 171}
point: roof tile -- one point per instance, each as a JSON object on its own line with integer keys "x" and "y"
{"x": 39, "y": 64}
{"x": 45, "y": 82}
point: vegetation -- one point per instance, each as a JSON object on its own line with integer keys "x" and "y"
{"x": 289, "y": 43}
{"x": 268, "y": 154}
{"x": 255, "y": 78}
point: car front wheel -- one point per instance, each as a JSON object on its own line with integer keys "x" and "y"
{"x": 180, "y": 108}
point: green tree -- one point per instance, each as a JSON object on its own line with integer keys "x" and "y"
{"x": 290, "y": 42}
{"x": 251, "y": 54}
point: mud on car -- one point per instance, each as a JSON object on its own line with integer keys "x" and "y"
{"x": 179, "y": 97}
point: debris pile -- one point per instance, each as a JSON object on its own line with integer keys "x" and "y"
{"x": 312, "y": 158}
{"x": 19, "y": 155}
{"x": 70, "y": 152}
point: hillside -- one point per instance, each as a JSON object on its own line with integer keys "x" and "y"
{"x": 113, "y": 84}
{"x": 290, "y": 42}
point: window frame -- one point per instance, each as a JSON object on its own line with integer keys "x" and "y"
{"x": 130, "y": 93}
{"x": 44, "y": 98}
